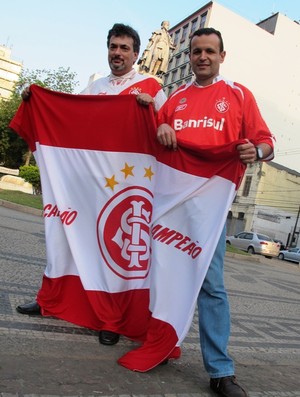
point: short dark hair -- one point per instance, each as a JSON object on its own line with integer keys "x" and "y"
{"x": 207, "y": 32}
{"x": 119, "y": 29}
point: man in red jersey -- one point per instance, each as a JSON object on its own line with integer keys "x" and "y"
{"x": 214, "y": 111}
{"x": 123, "y": 44}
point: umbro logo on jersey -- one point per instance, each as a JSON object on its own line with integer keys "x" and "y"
{"x": 180, "y": 107}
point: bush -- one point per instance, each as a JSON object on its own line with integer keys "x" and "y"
{"x": 31, "y": 174}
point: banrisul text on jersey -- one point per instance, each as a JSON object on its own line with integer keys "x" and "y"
{"x": 205, "y": 122}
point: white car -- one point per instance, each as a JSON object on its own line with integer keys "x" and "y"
{"x": 293, "y": 254}
{"x": 254, "y": 243}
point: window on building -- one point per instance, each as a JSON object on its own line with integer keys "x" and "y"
{"x": 247, "y": 185}
{"x": 166, "y": 78}
{"x": 182, "y": 46}
{"x": 186, "y": 56}
{"x": 173, "y": 77}
{"x": 184, "y": 32}
{"x": 182, "y": 72}
{"x": 194, "y": 25}
{"x": 176, "y": 37}
{"x": 177, "y": 60}
{"x": 203, "y": 19}
{"x": 241, "y": 216}
{"x": 188, "y": 80}
{"x": 170, "y": 90}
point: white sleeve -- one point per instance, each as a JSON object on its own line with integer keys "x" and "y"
{"x": 159, "y": 99}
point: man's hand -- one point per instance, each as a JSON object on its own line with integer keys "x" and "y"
{"x": 247, "y": 152}
{"x": 145, "y": 99}
{"x": 167, "y": 136}
{"x": 26, "y": 94}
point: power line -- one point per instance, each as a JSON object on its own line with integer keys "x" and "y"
{"x": 287, "y": 152}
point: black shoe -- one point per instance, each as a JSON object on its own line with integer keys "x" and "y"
{"x": 108, "y": 338}
{"x": 228, "y": 387}
{"x": 29, "y": 308}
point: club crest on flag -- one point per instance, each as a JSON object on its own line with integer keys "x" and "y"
{"x": 123, "y": 232}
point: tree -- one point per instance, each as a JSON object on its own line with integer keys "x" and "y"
{"x": 12, "y": 147}
{"x": 31, "y": 174}
{"x": 14, "y": 151}
{"x": 62, "y": 80}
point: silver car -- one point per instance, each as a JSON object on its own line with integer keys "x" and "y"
{"x": 293, "y": 254}
{"x": 254, "y": 243}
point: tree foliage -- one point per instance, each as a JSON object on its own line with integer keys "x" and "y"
{"x": 31, "y": 174}
{"x": 62, "y": 80}
{"x": 13, "y": 149}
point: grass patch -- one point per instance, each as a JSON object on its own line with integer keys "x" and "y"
{"x": 29, "y": 200}
{"x": 230, "y": 248}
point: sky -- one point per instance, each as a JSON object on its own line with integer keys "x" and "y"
{"x": 72, "y": 34}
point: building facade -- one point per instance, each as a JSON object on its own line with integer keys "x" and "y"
{"x": 254, "y": 58}
{"x": 9, "y": 72}
{"x": 268, "y": 202}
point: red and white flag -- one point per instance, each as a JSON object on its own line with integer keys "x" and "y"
{"x": 130, "y": 225}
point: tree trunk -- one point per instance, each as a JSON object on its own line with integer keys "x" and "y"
{"x": 27, "y": 157}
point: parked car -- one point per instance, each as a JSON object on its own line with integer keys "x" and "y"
{"x": 254, "y": 243}
{"x": 282, "y": 246}
{"x": 292, "y": 254}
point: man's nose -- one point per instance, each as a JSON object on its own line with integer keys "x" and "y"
{"x": 117, "y": 50}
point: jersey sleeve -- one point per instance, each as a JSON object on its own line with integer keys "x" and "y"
{"x": 159, "y": 100}
{"x": 254, "y": 126}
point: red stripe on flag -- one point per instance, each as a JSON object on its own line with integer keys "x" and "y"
{"x": 96, "y": 122}
{"x": 159, "y": 346}
{"x": 205, "y": 161}
{"x": 126, "y": 313}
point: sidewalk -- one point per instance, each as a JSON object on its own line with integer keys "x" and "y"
{"x": 42, "y": 356}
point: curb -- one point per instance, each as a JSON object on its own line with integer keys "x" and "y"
{"x": 251, "y": 258}
{"x": 21, "y": 208}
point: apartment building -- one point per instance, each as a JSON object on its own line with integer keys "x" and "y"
{"x": 9, "y": 72}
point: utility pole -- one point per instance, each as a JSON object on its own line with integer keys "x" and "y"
{"x": 295, "y": 227}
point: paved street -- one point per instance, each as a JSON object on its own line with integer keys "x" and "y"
{"x": 48, "y": 357}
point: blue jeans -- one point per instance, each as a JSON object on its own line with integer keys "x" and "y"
{"x": 214, "y": 317}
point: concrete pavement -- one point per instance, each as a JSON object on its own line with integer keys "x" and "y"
{"x": 49, "y": 357}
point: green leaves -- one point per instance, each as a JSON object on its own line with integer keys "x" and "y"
{"x": 62, "y": 79}
{"x": 13, "y": 150}
{"x": 31, "y": 174}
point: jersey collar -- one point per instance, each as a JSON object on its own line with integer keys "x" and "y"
{"x": 215, "y": 80}
{"x": 118, "y": 79}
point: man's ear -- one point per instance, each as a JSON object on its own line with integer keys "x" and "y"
{"x": 223, "y": 55}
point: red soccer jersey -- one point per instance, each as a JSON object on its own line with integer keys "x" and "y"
{"x": 217, "y": 114}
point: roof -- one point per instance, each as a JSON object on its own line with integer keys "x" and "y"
{"x": 283, "y": 168}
